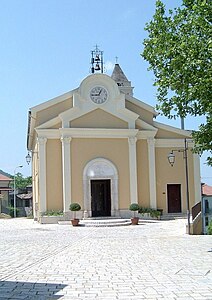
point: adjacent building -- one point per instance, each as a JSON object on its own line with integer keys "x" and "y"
{"x": 4, "y": 192}
{"x": 206, "y": 206}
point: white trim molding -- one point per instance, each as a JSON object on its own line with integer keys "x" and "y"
{"x": 184, "y": 133}
{"x": 42, "y": 172}
{"x": 173, "y": 143}
{"x": 133, "y": 169}
{"x": 152, "y": 172}
{"x": 98, "y": 132}
{"x": 66, "y": 166}
{"x": 100, "y": 168}
{"x": 145, "y": 134}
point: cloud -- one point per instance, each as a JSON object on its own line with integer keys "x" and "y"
{"x": 127, "y": 15}
{"x": 109, "y": 66}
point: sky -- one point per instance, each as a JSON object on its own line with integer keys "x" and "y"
{"x": 45, "y": 51}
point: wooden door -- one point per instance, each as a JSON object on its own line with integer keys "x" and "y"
{"x": 100, "y": 198}
{"x": 174, "y": 198}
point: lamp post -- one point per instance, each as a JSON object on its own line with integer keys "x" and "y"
{"x": 14, "y": 196}
{"x": 171, "y": 159}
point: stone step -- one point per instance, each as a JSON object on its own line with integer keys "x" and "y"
{"x": 173, "y": 216}
{"x": 100, "y": 222}
{"x": 108, "y": 222}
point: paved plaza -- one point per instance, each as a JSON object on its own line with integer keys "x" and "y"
{"x": 154, "y": 260}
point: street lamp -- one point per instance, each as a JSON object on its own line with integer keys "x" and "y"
{"x": 28, "y": 158}
{"x": 14, "y": 196}
{"x": 171, "y": 159}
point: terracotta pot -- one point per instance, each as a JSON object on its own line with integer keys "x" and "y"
{"x": 134, "y": 220}
{"x": 75, "y": 222}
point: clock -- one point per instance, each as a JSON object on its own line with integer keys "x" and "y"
{"x": 98, "y": 94}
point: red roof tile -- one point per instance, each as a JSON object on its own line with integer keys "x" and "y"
{"x": 207, "y": 190}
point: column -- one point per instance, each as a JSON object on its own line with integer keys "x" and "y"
{"x": 34, "y": 187}
{"x": 152, "y": 175}
{"x": 66, "y": 165}
{"x": 42, "y": 172}
{"x": 133, "y": 169}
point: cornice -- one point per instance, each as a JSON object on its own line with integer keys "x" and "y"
{"x": 145, "y": 134}
{"x": 53, "y": 101}
{"x": 173, "y": 143}
{"x": 186, "y": 133}
{"x": 86, "y": 133}
{"x": 141, "y": 104}
{"x": 145, "y": 125}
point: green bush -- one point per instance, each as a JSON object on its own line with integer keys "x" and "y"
{"x": 210, "y": 228}
{"x": 144, "y": 210}
{"x": 74, "y": 207}
{"x": 11, "y": 211}
{"x": 53, "y": 213}
{"x": 134, "y": 207}
{"x": 152, "y": 212}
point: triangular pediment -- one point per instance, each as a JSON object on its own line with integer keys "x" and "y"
{"x": 98, "y": 119}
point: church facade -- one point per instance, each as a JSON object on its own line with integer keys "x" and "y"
{"x": 99, "y": 146}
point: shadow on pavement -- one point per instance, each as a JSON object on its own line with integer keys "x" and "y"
{"x": 30, "y": 290}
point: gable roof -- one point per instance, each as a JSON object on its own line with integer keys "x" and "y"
{"x": 183, "y": 132}
{"x": 5, "y": 174}
{"x": 141, "y": 104}
{"x": 4, "y": 178}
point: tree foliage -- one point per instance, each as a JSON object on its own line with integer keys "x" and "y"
{"x": 20, "y": 181}
{"x": 178, "y": 49}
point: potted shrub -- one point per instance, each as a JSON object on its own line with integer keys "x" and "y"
{"x": 134, "y": 207}
{"x": 74, "y": 207}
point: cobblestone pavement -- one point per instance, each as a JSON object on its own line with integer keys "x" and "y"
{"x": 154, "y": 260}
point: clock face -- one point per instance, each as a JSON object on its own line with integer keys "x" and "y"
{"x": 98, "y": 94}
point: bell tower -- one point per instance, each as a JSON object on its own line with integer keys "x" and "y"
{"x": 123, "y": 83}
{"x": 97, "y": 61}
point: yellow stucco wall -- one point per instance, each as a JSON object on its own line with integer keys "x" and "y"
{"x": 54, "y": 175}
{"x": 52, "y": 111}
{"x": 143, "y": 173}
{"x": 144, "y": 114}
{"x": 168, "y": 134}
{"x": 115, "y": 150}
{"x": 98, "y": 119}
{"x": 165, "y": 174}
{"x": 57, "y": 126}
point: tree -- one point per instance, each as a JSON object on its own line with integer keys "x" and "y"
{"x": 178, "y": 50}
{"x": 20, "y": 181}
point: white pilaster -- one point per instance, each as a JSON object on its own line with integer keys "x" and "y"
{"x": 66, "y": 165}
{"x": 42, "y": 172}
{"x": 197, "y": 178}
{"x": 152, "y": 175}
{"x": 133, "y": 169}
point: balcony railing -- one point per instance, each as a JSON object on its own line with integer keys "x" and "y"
{"x": 196, "y": 209}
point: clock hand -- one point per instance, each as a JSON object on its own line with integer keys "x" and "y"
{"x": 100, "y": 92}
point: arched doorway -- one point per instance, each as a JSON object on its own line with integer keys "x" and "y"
{"x": 100, "y": 183}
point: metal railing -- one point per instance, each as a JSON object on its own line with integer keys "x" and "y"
{"x": 196, "y": 209}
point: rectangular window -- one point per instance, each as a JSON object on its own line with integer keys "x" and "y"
{"x": 206, "y": 221}
{"x": 206, "y": 206}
